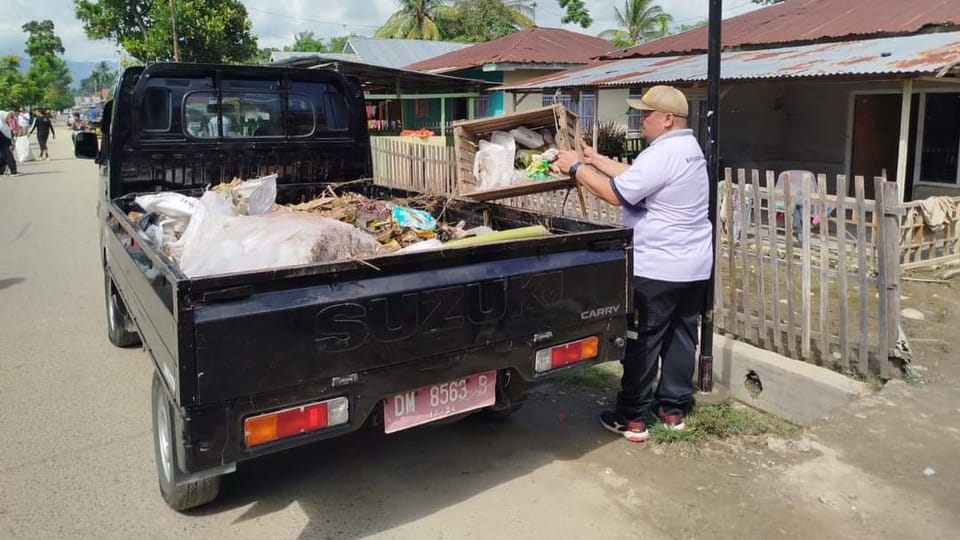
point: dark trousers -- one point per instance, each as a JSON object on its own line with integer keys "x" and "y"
{"x": 664, "y": 322}
{"x": 6, "y": 157}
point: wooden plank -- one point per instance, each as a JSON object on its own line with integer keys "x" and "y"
{"x": 788, "y": 234}
{"x": 889, "y": 276}
{"x": 806, "y": 278}
{"x": 842, "y": 272}
{"x": 824, "y": 234}
{"x": 742, "y": 244}
{"x": 758, "y": 263}
{"x": 863, "y": 364}
{"x": 774, "y": 256}
{"x": 718, "y": 284}
{"x": 731, "y": 261}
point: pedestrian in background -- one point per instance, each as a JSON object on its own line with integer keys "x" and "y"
{"x": 11, "y": 122}
{"x": 664, "y": 195}
{"x": 6, "y": 143}
{"x": 23, "y": 122}
{"x": 43, "y": 125}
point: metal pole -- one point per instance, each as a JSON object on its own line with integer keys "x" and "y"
{"x": 705, "y": 379}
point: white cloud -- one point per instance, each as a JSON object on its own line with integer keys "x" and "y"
{"x": 275, "y": 24}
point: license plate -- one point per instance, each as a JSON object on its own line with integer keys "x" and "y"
{"x": 430, "y": 403}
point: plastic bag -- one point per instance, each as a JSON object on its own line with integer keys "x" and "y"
{"x": 527, "y": 137}
{"x": 508, "y": 143}
{"x": 23, "y": 151}
{"x": 257, "y": 196}
{"x": 413, "y": 218}
{"x": 487, "y": 165}
{"x": 229, "y": 244}
{"x": 211, "y": 212}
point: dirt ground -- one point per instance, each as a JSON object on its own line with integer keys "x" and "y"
{"x": 883, "y": 467}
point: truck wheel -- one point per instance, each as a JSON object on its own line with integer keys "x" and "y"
{"x": 182, "y": 496}
{"x": 119, "y": 326}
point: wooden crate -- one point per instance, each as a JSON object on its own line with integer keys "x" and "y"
{"x": 467, "y": 136}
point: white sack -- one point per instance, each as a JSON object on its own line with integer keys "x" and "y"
{"x": 257, "y": 196}
{"x": 23, "y": 151}
{"x": 229, "y": 244}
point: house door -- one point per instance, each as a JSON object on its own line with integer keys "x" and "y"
{"x": 876, "y": 137}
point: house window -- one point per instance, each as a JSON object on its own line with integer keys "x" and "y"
{"x": 481, "y": 107}
{"x": 939, "y": 146}
{"x": 634, "y": 120}
{"x": 585, "y": 109}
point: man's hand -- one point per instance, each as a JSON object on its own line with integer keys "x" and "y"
{"x": 589, "y": 153}
{"x": 564, "y": 160}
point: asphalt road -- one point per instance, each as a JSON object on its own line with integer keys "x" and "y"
{"x": 76, "y": 454}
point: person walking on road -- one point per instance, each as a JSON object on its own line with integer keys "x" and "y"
{"x": 665, "y": 200}
{"x": 6, "y": 143}
{"x": 44, "y": 128}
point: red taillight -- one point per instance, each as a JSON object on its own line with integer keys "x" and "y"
{"x": 566, "y": 354}
{"x": 277, "y": 425}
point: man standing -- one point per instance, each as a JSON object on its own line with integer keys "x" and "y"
{"x": 665, "y": 200}
{"x": 6, "y": 141}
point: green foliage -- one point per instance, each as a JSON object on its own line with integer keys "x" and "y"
{"x": 101, "y": 77}
{"x": 640, "y": 20}
{"x": 723, "y": 421}
{"x": 477, "y": 21}
{"x": 575, "y": 12}
{"x": 47, "y": 80}
{"x": 337, "y": 44}
{"x": 13, "y": 82}
{"x": 698, "y": 24}
{"x": 207, "y": 30}
{"x": 611, "y": 138}
{"x": 307, "y": 42}
{"x": 417, "y": 19}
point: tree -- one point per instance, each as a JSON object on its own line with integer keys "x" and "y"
{"x": 101, "y": 77}
{"x": 13, "y": 82}
{"x": 307, "y": 42}
{"x": 207, "y": 30}
{"x": 339, "y": 43}
{"x": 639, "y": 21}
{"x": 48, "y": 78}
{"x": 576, "y": 12}
{"x": 698, "y": 24}
{"x": 417, "y": 19}
{"x": 483, "y": 20}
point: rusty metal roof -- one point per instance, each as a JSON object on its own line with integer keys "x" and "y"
{"x": 531, "y": 46}
{"x": 805, "y": 21}
{"x": 911, "y": 55}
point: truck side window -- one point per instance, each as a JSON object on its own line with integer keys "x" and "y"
{"x": 301, "y": 114}
{"x": 156, "y": 110}
{"x": 199, "y": 108}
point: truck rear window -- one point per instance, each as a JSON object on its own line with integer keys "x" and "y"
{"x": 261, "y": 114}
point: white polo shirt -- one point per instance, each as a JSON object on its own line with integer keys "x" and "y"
{"x": 665, "y": 197}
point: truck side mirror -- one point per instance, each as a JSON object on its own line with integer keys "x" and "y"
{"x": 85, "y": 145}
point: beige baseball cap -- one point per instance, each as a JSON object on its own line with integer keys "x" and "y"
{"x": 662, "y": 98}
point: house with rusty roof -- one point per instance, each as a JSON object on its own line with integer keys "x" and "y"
{"x": 828, "y": 86}
{"x": 515, "y": 59}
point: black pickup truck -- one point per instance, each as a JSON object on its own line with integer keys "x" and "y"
{"x": 251, "y": 363}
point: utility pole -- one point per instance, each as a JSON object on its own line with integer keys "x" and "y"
{"x": 705, "y": 379}
{"x": 533, "y": 6}
{"x": 176, "y": 45}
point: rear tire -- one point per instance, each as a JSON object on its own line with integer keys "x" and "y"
{"x": 119, "y": 325}
{"x": 182, "y": 496}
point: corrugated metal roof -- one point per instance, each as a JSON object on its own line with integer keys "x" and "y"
{"x": 810, "y": 20}
{"x": 920, "y": 54}
{"x": 397, "y": 53}
{"x": 276, "y": 56}
{"x": 531, "y": 46}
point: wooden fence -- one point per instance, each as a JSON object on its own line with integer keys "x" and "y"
{"x": 930, "y": 232}
{"x": 825, "y": 291}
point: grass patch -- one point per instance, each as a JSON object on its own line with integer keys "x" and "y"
{"x": 722, "y": 421}
{"x": 604, "y": 376}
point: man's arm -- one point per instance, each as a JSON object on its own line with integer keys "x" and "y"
{"x": 597, "y": 183}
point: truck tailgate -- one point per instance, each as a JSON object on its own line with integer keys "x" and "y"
{"x": 307, "y": 335}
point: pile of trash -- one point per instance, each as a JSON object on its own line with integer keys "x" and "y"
{"x": 500, "y": 164}
{"x": 239, "y": 227}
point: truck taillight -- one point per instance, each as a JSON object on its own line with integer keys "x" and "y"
{"x": 566, "y": 354}
{"x": 277, "y": 425}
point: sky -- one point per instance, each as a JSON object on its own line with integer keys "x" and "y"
{"x": 276, "y": 23}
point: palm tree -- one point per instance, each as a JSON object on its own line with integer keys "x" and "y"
{"x": 640, "y": 20}
{"x": 417, "y": 19}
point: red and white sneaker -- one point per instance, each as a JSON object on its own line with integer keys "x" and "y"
{"x": 632, "y": 430}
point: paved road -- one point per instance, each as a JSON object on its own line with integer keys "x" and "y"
{"x": 76, "y": 457}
